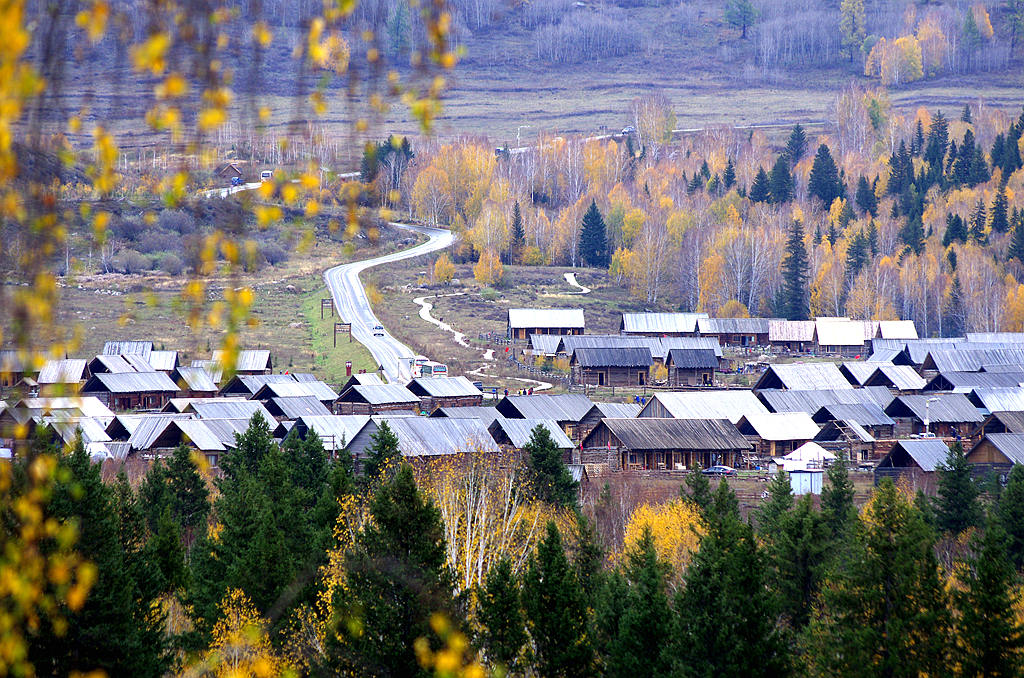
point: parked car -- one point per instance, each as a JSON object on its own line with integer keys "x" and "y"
{"x": 236, "y": 181}
{"x": 719, "y": 471}
{"x": 378, "y": 331}
{"x": 628, "y": 129}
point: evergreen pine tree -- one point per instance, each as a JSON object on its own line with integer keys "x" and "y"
{"x": 1016, "y": 248}
{"x": 729, "y": 176}
{"x": 699, "y": 489}
{"x": 556, "y": 612}
{"x": 837, "y": 507}
{"x": 503, "y": 629}
{"x": 518, "y": 239}
{"x": 857, "y": 254}
{"x": 588, "y": 559}
{"x": 976, "y": 233}
{"x": 1010, "y": 510}
{"x": 779, "y": 502}
{"x": 593, "y": 241}
{"x": 938, "y": 142}
{"x": 886, "y": 608}
{"x": 397, "y": 578}
{"x": 865, "y": 198}
{"x": 956, "y": 230}
{"x": 797, "y": 552}
{"x": 641, "y": 645}
{"x": 966, "y": 115}
{"x": 175, "y": 484}
{"x": 551, "y": 479}
{"x": 760, "y": 190}
{"x": 988, "y": 629}
{"x": 1000, "y": 219}
{"x": 382, "y": 454}
{"x": 119, "y": 628}
{"x": 956, "y": 506}
{"x": 742, "y": 14}
{"x": 912, "y": 233}
{"x": 823, "y": 182}
{"x": 796, "y": 146}
{"x": 796, "y": 305}
{"x": 780, "y": 185}
{"x": 725, "y": 611}
{"x": 250, "y": 448}
{"x": 873, "y": 238}
{"x": 979, "y": 170}
{"x": 956, "y": 314}
{"x": 917, "y": 145}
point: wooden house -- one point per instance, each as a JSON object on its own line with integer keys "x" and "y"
{"x": 246, "y": 385}
{"x": 194, "y": 382}
{"x": 424, "y": 438}
{"x": 691, "y": 367}
{"x": 999, "y": 422}
{"x": 361, "y": 379}
{"x": 248, "y": 361}
{"x": 568, "y": 409}
{"x": 997, "y": 453}
{"x": 378, "y": 400}
{"x": 446, "y": 392}
{"x": 604, "y": 411}
{"x": 522, "y": 322}
{"x": 660, "y": 324}
{"x": 611, "y": 366}
{"x": 841, "y": 336}
{"x": 901, "y": 378}
{"x": 293, "y": 407}
{"x": 793, "y": 336}
{"x": 297, "y": 389}
{"x": 62, "y": 376}
{"x": 664, "y": 444}
{"x": 709, "y": 404}
{"x": 914, "y": 461}
{"x": 803, "y": 377}
{"x": 948, "y": 415}
{"x": 132, "y": 390}
{"x": 776, "y": 435}
{"x": 742, "y": 332}
{"x": 870, "y": 416}
{"x": 512, "y": 435}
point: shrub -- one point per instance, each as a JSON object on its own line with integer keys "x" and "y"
{"x": 532, "y": 256}
{"x": 176, "y": 220}
{"x": 489, "y": 294}
{"x": 444, "y": 269}
{"x": 274, "y": 253}
{"x": 131, "y": 261}
{"x": 156, "y": 240}
{"x": 172, "y": 264}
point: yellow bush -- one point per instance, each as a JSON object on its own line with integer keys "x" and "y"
{"x": 532, "y": 256}
{"x": 488, "y": 269}
{"x": 676, "y": 527}
{"x": 444, "y": 269}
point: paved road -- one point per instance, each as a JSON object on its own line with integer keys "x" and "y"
{"x": 353, "y": 306}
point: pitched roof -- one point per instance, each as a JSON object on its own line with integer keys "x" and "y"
{"x": 248, "y": 360}
{"x": 970, "y": 359}
{"x": 1010, "y": 445}
{"x": 443, "y": 387}
{"x": 163, "y": 361}
{"x": 779, "y": 426}
{"x": 998, "y": 399}
{"x": 660, "y": 346}
{"x": 212, "y": 367}
{"x": 67, "y": 371}
{"x": 618, "y": 410}
{"x": 295, "y": 389}
{"x": 858, "y": 372}
{"x": 143, "y": 348}
{"x": 844, "y": 429}
{"x": 811, "y": 401}
{"x": 85, "y": 406}
{"x": 379, "y": 395}
{"x": 544, "y": 344}
{"x": 661, "y": 323}
{"x": 865, "y": 414}
{"x": 612, "y": 357}
{"x": 250, "y": 383}
{"x": 965, "y": 382}
{"x": 114, "y": 364}
{"x": 427, "y": 437}
{"x": 520, "y": 431}
{"x": 131, "y": 382}
{"x": 936, "y": 407}
{"x": 803, "y": 377}
{"x": 1013, "y": 422}
{"x": 929, "y": 454}
{"x": 839, "y": 332}
{"x": 545, "y": 317}
{"x": 672, "y": 434}
{"x": 225, "y": 408}
{"x": 897, "y": 329}
{"x": 790, "y": 330}
{"x": 570, "y": 342}
{"x": 730, "y": 404}
{"x": 484, "y": 414}
{"x": 561, "y": 407}
{"x": 195, "y": 379}
{"x": 183, "y": 404}
{"x": 996, "y": 337}
{"x": 692, "y": 358}
{"x": 298, "y": 406}
{"x": 335, "y": 430}
{"x": 900, "y": 377}
{"x": 734, "y": 325}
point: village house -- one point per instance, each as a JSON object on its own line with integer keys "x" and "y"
{"x": 793, "y": 336}
{"x": 605, "y": 411}
{"x": 246, "y": 385}
{"x": 812, "y": 400}
{"x": 522, "y": 322}
{"x": 691, "y": 367}
{"x": 997, "y": 453}
{"x": 293, "y": 407}
{"x": 611, "y": 366}
{"x": 776, "y": 435}
{"x": 723, "y": 404}
{"x": 132, "y": 390}
{"x": 512, "y": 435}
{"x": 335, "y": 430}
{"x": 948, "y": 415}
{"x": 194, "y": 382}
{"x": 378, "y": 400}
{"x": 664, "y": 444}
{"x": 421, "y": 439}
{"x": 484, "y": 414}
{"x": 248, "y": 361}
{"x": 61, "y": 377}
{"x": 803, "y": 377}
{"x": 742, "y": 332}
{"x": 999, "y": 422}
{"x": 915, "y": 462}
{"x": 902, "y": 378}
{"x": 965, "y": 382}
{"x": 660, "y": 324}
{"x": 567, "y": 409}
{"x": 870, "y": 416}
{"x": 446, "y": 392}
{"x": 297, "y": 389}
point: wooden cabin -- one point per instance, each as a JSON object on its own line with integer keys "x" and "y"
{"x": 446, "y": 392}
{"x": 741, "y": 332}
{"x": 949, "y": 415}
{"x": 522, "y": 322}
{"x": 914, "y": 461}
{"x": 620, "y": 366}
{"x": 691, "y": 367}
{"x": 664, "y": 444}
{"x": 132, "y": 390}
{"x": 378, "y": 400}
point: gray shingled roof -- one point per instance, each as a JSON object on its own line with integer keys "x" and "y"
{"x": 710, "y": 404}
{"x": 68, "y": 371}
{"x": 163, "y": 361}
{"x": 1011, "y": 445}
{"x": 946, "y": 408}
{"x": 248, "y": 360}
{"x": 299, "y": 406}
{"x": 998, "y": 399}
{"x": 965, "y": 382}
{"x": 618, "y": 410}
{"x": 335, "y": 430}
{"x": 929, "y": 454}
{"x": 900, "y": 377}
{"x": 223, "y": 408}
{"x": 484, "y": 414}
{"x": 734, "y": 325}
{"x": 379, "y": 395}
{"x": 131, "y": 382}
{"x": 811, "y": 401}
{"x": 661, "y": 323}
{"x": 296, "y": 389}
{"x": 692, "y": 359}
{"x": 195, "y": 379}
{"x": 858, "y": 372}
{"x": 428, "y": 437}
{"x": 562, "y": 407}
{"x": 520, "y": 431}
{"x": 443, "y": 387}
{"x": 612, "y": 357}
{"x": 674, "y": 434}
{"x": 803, "y": 377}
{"x": 865, "y": 414}
{"x": 143, "y": 348}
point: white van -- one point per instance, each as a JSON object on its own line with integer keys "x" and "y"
{"x": 266, "y": 175}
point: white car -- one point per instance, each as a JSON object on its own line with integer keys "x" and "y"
{"x": 378, "y": 331}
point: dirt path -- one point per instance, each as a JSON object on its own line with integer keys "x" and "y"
{"x": 571, "y": 279}
{"x": 426, "y": 306}
{"x": 538, "y": 385}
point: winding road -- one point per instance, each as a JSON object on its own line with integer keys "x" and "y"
{"x": 353, "y": 306}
